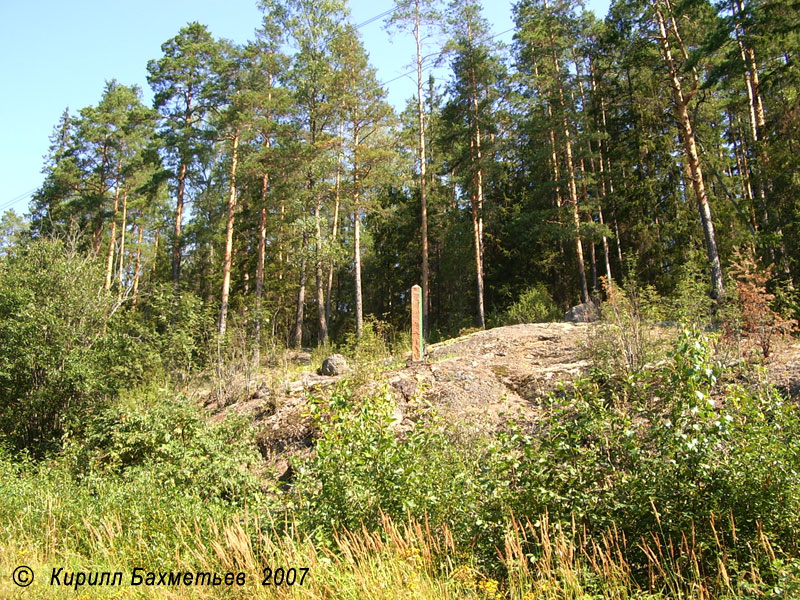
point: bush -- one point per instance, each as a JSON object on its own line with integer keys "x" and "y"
{"x": 181, "y": 329}
{"x": 62, "y": 353}
{"x": 626, "y": 339}
{"x": 151, "y": 433}
{"x": 363, "y": 468}
{"x": 691, "y": 304}
{"x": 682, "y": 455}
{"x": 759, "y": 322}
{"x": 534, "y": 305}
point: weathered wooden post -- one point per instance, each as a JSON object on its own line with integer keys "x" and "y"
{"x": 417, "y": 338}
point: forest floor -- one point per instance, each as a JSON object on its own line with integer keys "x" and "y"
{"x": 481, "y": 380}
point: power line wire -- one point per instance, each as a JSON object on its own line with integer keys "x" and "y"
{"x": 376, "y": 17}
{"x": 19, "y": 198}
{"x": 437, "y": 54}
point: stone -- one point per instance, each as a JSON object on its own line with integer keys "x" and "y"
{"x": 284, "y": 471}
{"x": 335, "y": 364}
{"x": 302, "y": 357}
{"x": 588, "y": 312}
{"x": 260, "y": 394}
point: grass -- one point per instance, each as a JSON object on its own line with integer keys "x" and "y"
{"x": 397, "y": 562}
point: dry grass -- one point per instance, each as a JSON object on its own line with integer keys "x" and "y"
{"x": 406, "y": 561}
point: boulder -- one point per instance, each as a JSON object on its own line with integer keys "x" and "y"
{"x": 335, "y": 364}
{"x": 588, "y": 312}
{"x": 260, "y": 394}
{"x": 302, "y": 357}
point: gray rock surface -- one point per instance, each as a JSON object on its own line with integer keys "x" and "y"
{"x": 335, "y": 364}
{"x": 588, "y": 312}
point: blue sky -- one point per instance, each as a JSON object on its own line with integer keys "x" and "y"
{"x": 56, "y": 54}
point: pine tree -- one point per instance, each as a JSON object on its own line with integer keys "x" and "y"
{"x": 182, "y": 80}
{"x": 417, "y": 16}
{"x": 366, "y": 118}
{"x": 470, "y": 117}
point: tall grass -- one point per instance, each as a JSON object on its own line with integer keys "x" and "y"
{"x": 542, "y": 560}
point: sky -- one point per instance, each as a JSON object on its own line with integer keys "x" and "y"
{"x": 56, "y": 54}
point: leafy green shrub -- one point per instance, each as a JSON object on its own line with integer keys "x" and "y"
{"x": 143, "y": 516}
{"x": 680, "y": 453}
{"x": 63, "y": 350}
{"x": 534, "y": 305}
{"x": 151, "y": 433}
{"x": 691, "y": 304}
{"x": 363, "y": 467}
{"x": 181, "y": 329}
{"x": 370, "y": 350}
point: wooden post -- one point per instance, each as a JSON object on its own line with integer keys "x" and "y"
{"x": 417, "y": 337}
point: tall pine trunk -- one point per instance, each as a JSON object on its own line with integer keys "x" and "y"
{"x": 177, "y": 242}
{"x": 690, "y": 148}
{"x": 322, "y": 321}
{"x": 335, "y": 227}
{"x": 357, "y": 231}
{"x": 122, "y": 229}
{"x": 137, "y": 269}
{"x": 262, "y": 254}
{"x": 228, "y": 259}
{"x": 572, "y": 186}
{"x": 422, "y": 178}
{"x": 477, "y": 197}
{"x": 113, "y": 240}
{"x": 297, "y": 338}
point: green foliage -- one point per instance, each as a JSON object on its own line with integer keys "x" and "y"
{"x": 371, "y": 349}
{"x": 364, "y": 466}
{"x": 684, "y": 452}
{"x": 691, "y": 303}
{"x": 534, "y": 305}
{"x": 143, "y": 512}
{"x": 181, "y": 329}
{"x": 61, "y": 351}
{"x": 627, "y": 337}
{"x": 13, "y": 229}
{"x": 150, "y": 433}
{"x": 681, "y": 453}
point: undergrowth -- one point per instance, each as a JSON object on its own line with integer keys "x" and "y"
{"x": 687, "y": 486}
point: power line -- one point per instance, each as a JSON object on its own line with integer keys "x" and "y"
{"x": 19, "y": 198}
{"x": 438, "y": 54}
{"x": 377, "y": 17}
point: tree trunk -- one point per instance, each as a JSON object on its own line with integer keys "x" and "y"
{"x": 690, "y": 153}
{"x": 477, "y": 199}
{"x": 357, "y": 268}
{"x": 357, "y": 232}
{"x": 322, "y": 328}
{"x": 335, "y": 228}
{"x": 602, "y": 174}
{"x": 113, "y": 240}
{"x": 137, "y": 267}
{"x": 262, "y": 254}
{"x": 301, "y": 296}
{"x": 573, "y": 193}
{"x": 422, "y": 179}
{"x": 123, "y": 227}
{"x": 177, "y": 242}
{"x": 228, "y": 259}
